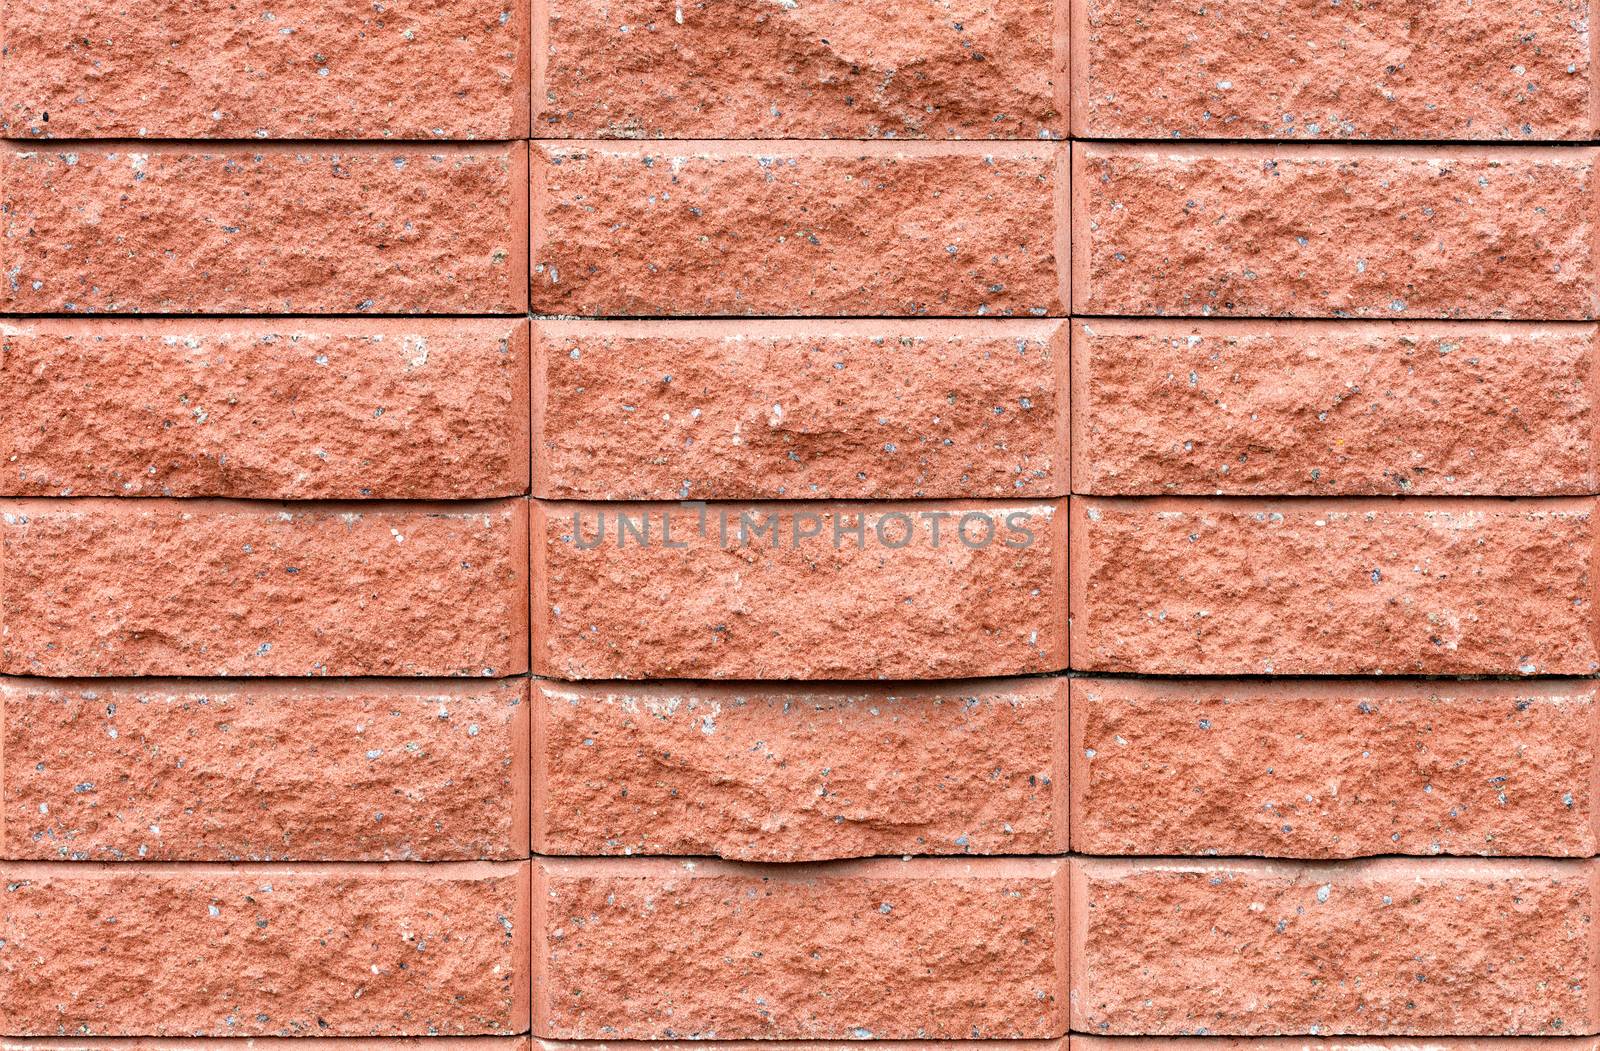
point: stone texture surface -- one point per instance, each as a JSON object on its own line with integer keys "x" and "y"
{"x": 762, "y": 773}
{"x": 423, "y": 409}
{"x": 260, "y": 950}
{"x": 1079, "y": 1042}
{"x": 1324, "y": 231}
{"x": 186, "y": 771}
{"x": 297, "y": 69}
{"x": 1333, "y": 769}
{"x": 106, "y": 587}
{"x": 822, "y": 409}
{"x": 1315, "y": 587}
{"x": 1335, "y": 408}
{"x": 786, "y": 591}
{"x": 1379, "y": 69}
{"x": 323, "y": 1043}
{"x": 818, "y": 229}
{"x": 839, "y": 69}
{"x": 346, "y": 229}
{"x": 1388, "y": 947}
{"x": 937, "y": 949}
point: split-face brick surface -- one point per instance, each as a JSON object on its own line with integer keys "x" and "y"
{"x": 928, "y": 949}
{"x": 101, "y": 587}
{"x": 1333, "y": 769}
{"x": 282, "y": 409}
{"x": 1307, "y": 587}
{"x": 800, "y": 229}
{"x": 1252, "y": 408}
{"x": 170, "y": 770}
{"x": 263, "y": 229}
{"x": 782, "y": 590}
{"x": 764, "y": 773}
{"x": 807, "y": 410}
{"x": 850, "y": 69}
{"x": 1335, "y": 232}
{"x": 1389, "y": 947}
{"x": 1280, "y": 69}
{"x": 264, "y": 950}
{"x": 299, "y": 69}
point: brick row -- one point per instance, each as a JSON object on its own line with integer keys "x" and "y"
{"x": 98, "y": 587}
{"x": 263, "y": 950}
{"x": 950, "y": 589}
{"x": 1277, "y": 70}
{"x": 170, "y": 770}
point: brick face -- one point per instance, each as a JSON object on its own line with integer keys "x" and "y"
{"x": 345, "y": 229}
{"x": 163, "y": 770}
{"x": 884, "y": 949}
{"x": 846, "y": 70}
{"x": 1332, "y": 769}
{"x": 770, "y": 591}
{"x": 1492, "y": 69}
{"x": 268, "y": 589}
{"x": 1388, "y": 947}
{"x": 260, "y": 950}
{"x": 819, "y": 229}
{"x": 1334, "y": 231}
{"x": 423, "y": 409}
{"x": 212, "y": 69}
{"x": 1252, "y": 587}
{"x": 815, "y": 410}
{"x": 1333, "y": 408}
{"x": 977, "y": 768}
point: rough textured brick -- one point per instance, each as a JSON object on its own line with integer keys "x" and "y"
{"x": 323, "y": 1043}
{"x": 1324, "y": 231}
{"x": 107, "y": 587}
{"x": 1488, "y": 69}
{"x": 827, "y": 410}
{"x": 1336, "y": 408}
{"x": 759, "y": 598}
{"x": 653, "y": 949}
{"x": 423, "y": 229}
{"x": 1239, "y": 586}
{"x": 1441, "y": 946}
{"x": 1078, "y": 1042}
{"x": 762, "y": 773}
{"x": 1333, "y": 769}
{"x": 301, "y": 69}
{"x": 331, "y": 409}
{"x": 184, "y": 771}
{"x": 844, "y": 69}
{"x": 260, "y": 950}
{"x": 712, "y": 228}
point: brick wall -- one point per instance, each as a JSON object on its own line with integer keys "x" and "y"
{"x": 556, "y": 522}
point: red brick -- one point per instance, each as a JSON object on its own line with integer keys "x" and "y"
{"x": 762, "y": 773}
{"x": 184, "y": 771}
{"x": 822, "y": 409}
{"x": 852, "y": 69}
{"x": 1059, "y": 1044}
{"x": 421, "y": 229}
{"x": 162, "y": 587}
{"x": 934, "y": 949}
{"x": 403, "y": 69}
{"x": 323, "y": 1043}
{"x": 785, "y": 228}
{"x": 309, "y": 409}
{"x": 1336, "y": 408}
{"x": 263, "y": 950}
{"x": 747, "y": 601}
{"x": 1398, "y": 947}
{"x": 1288, "y": 1043}
{"x": 1490, "y": 69}
{"x": 1325, "y": 231}
{"x": 1290, "y": 587}
{"x": 1333, "y": 769}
